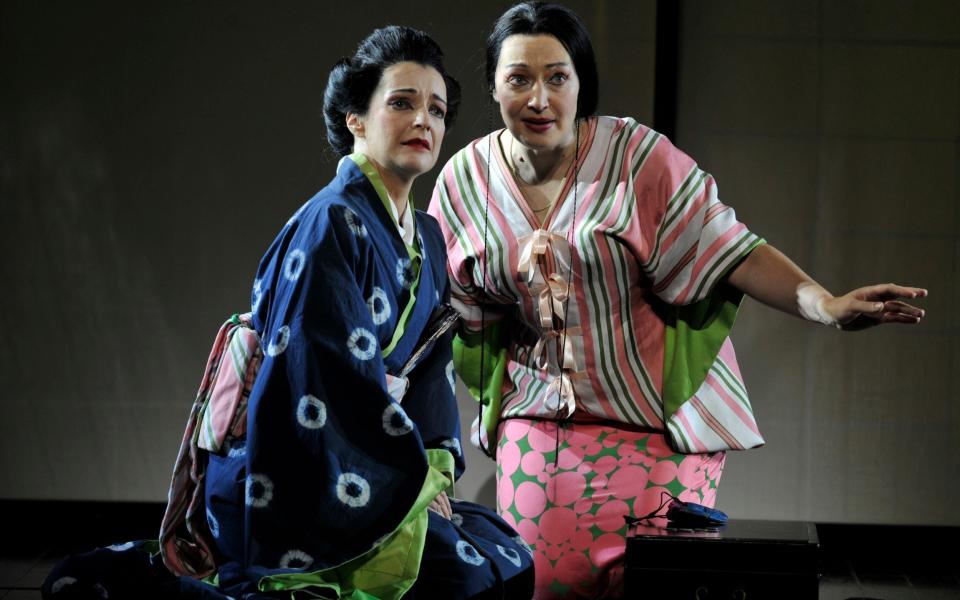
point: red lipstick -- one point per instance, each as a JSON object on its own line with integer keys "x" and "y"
{"x": 418, "y": 144}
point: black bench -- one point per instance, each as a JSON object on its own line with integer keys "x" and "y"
{"x": 742, "y": 560}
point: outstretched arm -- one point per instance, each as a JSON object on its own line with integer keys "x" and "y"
{"x": 768, "y": 276}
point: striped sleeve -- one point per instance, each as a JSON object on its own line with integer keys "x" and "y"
{"x": 697, "y": 239}
{"x": 458, "y": 206}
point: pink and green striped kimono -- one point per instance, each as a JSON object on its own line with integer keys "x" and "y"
{"x": 609, "y": 320}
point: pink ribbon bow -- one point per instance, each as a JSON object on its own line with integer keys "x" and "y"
{"x": 552, "y": 293}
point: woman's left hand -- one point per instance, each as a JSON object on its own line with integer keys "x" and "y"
{"x": 441, "y": 506}
{"x": 874, "y": 305}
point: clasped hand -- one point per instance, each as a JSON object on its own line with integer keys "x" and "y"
{"x": 441, "y": 506}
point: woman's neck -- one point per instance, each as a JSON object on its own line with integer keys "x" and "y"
{"x": 397, "y": 186}
{"x": 538, "y": 165}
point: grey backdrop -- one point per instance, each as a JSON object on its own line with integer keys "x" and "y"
{"x": 149, "y": 152}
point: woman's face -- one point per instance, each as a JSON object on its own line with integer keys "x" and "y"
{"x": 404, "y": 126}
{"x": 537, "y": 87}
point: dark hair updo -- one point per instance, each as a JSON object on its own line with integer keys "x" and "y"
{"x": 353, "y": 80}
{"x": 540, "y": 18}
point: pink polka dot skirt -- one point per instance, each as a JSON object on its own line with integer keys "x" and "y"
{"x": 569, "y": 507}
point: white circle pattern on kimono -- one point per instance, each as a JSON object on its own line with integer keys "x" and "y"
{"x": 404, "y": 273}
{"x": 213, "y": 524}
{"x": 381, "y": 314}
{"x": 353, "y": 490}
{"x": 512, "y": 555}
{"x": 62, "y": 583}
{"x": 468, "y": 553}
{"x": 279, "y": 342}
{"x": 120, "y": 547}
{"x": 358, "y": 228}
{"x": 395, "y": 420}
{"x": 295, "y": 559}
{"x": 457, "y": 519}
{"x": 257, "y": 294}
{"x": 235, "y": 449}
{"x": 293, "y": 266}
{"x": 362, "y": 344}
{"x": 453, "y": 444}
{"x": 312, "y": 412}
{"x": 101, "y": 591}
{"x": 259, "y": 490}
{"x": 451, "y": 377}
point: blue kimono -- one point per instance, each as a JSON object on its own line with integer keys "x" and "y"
{"x": 328, "y": 491}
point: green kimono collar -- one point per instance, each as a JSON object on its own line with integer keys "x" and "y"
{"x": 413, "y": 252}
{"x": 367, "y": 168}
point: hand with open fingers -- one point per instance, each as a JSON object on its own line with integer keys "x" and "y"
{"x": 441, "y": 506}
{"x": 875, "y": 305}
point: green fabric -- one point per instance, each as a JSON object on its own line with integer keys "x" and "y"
{"x": 413, "y": 251}
{"x": 467, "y": 354}
{"x": 694, "y": 335}
{"x": 404, "y": 317}
{"x": 442, "y": 460}
{"x": 387, "y": 571}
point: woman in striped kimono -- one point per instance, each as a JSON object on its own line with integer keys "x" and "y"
{"x": 599, "y": 275}
{"x": 341, "y": 486}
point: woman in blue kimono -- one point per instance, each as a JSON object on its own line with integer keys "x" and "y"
{"x": 342, "y": 485}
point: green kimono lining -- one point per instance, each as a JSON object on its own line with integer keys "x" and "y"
{"x": 388, "y": 570}
{"x": 489, "y": 346}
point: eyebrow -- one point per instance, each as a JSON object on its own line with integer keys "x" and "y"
{"x": 548, "y": 66}
{"x": 414, "y": 91}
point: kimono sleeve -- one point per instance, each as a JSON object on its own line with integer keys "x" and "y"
{"x": 334, "y": 463}
{"x": 432, "y": 404}
{"x": 693, "y": 240}
{"x": 687, "y": 242}
{"x": 431, "y": 398}
{"x": 456, "y": 204}
{"x": 480, "y": 347}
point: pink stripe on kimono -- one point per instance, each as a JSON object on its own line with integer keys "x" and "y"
{"x": 708, "y": 259}
{"x": 735, "y": 407}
